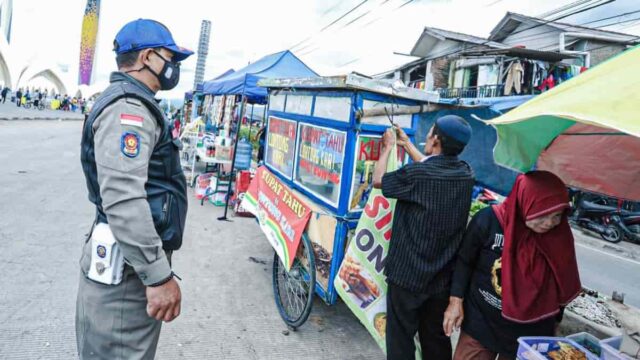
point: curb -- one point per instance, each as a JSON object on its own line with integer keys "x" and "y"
{"x": 573, "y": 323}
{"x": 587, "y": 238}
{"x": 39, "y": 118}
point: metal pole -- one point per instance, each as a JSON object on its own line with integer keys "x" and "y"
{"x": 264, "y": 116}
{"x": 251, "y": 123}
{"x": 233, "y": 160}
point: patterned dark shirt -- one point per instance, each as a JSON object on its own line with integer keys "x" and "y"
{"x": 434, "y": 197}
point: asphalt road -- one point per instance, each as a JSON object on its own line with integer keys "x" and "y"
{"x": 607, "y": 272}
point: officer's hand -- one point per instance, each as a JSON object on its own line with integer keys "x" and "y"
{"x": 163, "y": 302}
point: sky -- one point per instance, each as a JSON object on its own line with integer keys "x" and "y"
{"x": 245, "y": 30}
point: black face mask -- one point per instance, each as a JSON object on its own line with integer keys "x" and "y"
{"x": 169, "y": 75}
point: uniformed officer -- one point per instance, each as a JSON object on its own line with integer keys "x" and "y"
{"x": 131, "y": 162}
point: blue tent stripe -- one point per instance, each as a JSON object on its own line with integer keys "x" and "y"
{"x": 244, "y": 81}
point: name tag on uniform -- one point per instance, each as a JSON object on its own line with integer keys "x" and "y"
{"x": 107, "y": 260}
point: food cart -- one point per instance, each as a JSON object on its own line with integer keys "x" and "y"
{"x": 323, "y": 139}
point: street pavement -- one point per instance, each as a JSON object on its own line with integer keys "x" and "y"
{"x": 228, "y": 309}
{"x": 608, "y": 272}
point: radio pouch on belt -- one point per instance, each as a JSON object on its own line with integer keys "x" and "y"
{"x": 107, "y": 261}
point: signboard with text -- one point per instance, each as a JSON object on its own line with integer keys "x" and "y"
{"x": 321, "y": 154}
{"x": 368, "y": 149}
{"x": 281, "y": 145}
{"x": 281, "y": 214}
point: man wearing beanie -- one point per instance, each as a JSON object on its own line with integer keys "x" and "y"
{"x": 434, "y": 197}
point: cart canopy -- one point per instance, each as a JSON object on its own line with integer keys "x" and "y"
{"x": 244, "y": 81}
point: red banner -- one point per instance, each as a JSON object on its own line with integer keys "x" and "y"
{"x": 281, "y": 214}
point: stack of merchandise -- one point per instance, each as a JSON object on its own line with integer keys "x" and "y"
{"x": 242, "y": 185}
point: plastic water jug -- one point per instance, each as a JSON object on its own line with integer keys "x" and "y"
{"x": 243, "y": 155}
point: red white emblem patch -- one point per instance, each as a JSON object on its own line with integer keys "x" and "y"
{"x": 133, "y": 120}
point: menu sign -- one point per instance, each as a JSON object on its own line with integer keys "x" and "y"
{"x": 281, "y": 144}
{"x": 320, "y": 161}
{"x": 368, "y": 151}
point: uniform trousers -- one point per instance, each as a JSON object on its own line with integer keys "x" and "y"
{"x": 112, "y": 320}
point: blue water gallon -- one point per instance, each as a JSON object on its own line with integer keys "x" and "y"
{"x": 243, "y": 155}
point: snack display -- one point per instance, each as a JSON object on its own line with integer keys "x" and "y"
{"x": 551, "y": 348}
{"x": 566, "y": 352}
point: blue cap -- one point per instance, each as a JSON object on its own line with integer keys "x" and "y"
{"x": 143, "y": 34}
{"x": 455, "y": 127}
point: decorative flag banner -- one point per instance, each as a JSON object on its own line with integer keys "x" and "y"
{"x": 281, "y": 214}
{"x": 88, "y": 40}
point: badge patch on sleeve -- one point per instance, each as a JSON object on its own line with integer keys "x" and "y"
{"x": 130, "y": 144}
{"x": 129, "y": 119}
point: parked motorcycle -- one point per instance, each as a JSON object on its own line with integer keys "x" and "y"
{"x": 612, "y": 223}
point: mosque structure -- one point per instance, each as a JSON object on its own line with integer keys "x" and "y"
{"x": 16, "y": 74}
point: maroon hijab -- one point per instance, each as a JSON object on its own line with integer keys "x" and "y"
{"x": 539, "y": 271}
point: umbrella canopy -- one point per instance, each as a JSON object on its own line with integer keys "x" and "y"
{"x": 586, "y": 130}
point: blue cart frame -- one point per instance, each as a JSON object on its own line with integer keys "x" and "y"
{"x": 361, "y": 93}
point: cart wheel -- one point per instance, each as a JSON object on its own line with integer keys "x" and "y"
{"x": 293, "y": 290}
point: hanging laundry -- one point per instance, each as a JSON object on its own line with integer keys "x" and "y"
{"x": 515, "y": 75}
{"x": 539, "y": 73}
{"x": 548, "y": 83}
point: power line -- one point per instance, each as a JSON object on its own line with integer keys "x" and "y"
{"x": 359, "y": 18}
{"x": 407, "y": 2}
{"x": 580, "y": 2}
{"x": 332, "y": 23}
{"x": 403, "y": 5}
{"x": 534, "y": 36}
{"x": 493, "y": 3}
{"x": 585, "y": 7}
{"x": 444, "y": 52}
{"x": 563, "y": 8}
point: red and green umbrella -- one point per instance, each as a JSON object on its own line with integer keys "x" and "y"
{"x": 586, "y": 130}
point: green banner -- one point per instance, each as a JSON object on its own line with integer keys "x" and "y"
{"x": 360, "y": 282}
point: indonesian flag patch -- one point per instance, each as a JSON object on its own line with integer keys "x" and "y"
{"x": 129, "y": 119}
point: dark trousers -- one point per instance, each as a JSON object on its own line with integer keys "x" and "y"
{"x": 408, "y": 313}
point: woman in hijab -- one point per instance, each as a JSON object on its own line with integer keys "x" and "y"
{"x": 516, "y": 270}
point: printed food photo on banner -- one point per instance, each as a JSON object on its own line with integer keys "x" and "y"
{"x": 377, "y": 317}
{"x": 362, "y": 289}
{"x": 321, "y": 231}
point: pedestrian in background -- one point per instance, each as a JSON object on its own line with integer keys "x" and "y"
{"x": 5, "y": 92}
{"x": 434, "y": 198}
{"x": 19, "y": 97}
